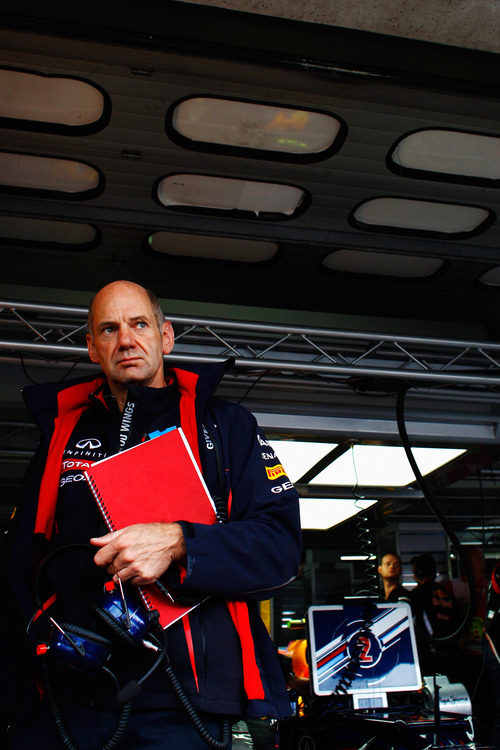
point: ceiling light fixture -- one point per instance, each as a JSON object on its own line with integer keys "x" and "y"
{"x": 222, "y": 194}
{"x": 445, "y": 152}
{"x": 274, "y": 131}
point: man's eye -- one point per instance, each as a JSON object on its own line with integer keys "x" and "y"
{"x": 141, "y": 324}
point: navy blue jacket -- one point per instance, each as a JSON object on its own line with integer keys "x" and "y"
{"x": 232, "y": 667}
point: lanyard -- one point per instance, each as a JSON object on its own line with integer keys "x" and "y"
{"x": 125, "y": 433}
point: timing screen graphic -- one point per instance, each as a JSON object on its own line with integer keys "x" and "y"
{"x": 385, "y": 649}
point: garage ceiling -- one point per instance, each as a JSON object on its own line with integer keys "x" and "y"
{"x": 145, "y": 59}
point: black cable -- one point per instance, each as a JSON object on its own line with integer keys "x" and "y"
{"x": 195, "y": 719}
{"x": 349, "y": 673}
{"x": 68, "y": 372}
{"x": 251, "y": 386}
{"x": 36, "y": 382}
{"x": 118, "y": 732}
{"x": 365, "y": 537}
{"x": 471, "y": 606}
{"x": 27, "y": 375}
{"x": 220, "y": 501}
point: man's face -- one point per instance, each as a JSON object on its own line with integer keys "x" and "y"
{"x": 390, "y": 567}
{"x": 125, "y": 339}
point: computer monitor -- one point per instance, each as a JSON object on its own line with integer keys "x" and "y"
{"x": 363, "y": 648}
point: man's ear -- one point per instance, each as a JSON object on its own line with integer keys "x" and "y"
{"x": 168, "y": 337}
{"x": 379, "y": 570}
{"x": 91, "y": 349}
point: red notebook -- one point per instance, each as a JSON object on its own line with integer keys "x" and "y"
{"x": 158, "y": 480}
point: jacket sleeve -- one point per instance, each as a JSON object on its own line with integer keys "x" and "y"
{"x": 18, "y": 694}
{"x": 258, "y": 550}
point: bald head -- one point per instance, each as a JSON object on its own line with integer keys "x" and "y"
{"x": 119, "y": 286}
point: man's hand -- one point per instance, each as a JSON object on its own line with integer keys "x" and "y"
{"x": 141, "y": 553}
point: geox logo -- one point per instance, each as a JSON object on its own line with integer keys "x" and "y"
{"x": 273, "y": 472}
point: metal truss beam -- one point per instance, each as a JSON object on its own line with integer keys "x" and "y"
{"x": 56, "y": 333}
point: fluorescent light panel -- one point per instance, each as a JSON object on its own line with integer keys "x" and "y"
{"x": 428, "y": 216}
{"x": 449, "y": 152}
{"x": 382, "y": 264}
{"x": 491, "y": 277}
{"x": 215, "y": 248}
{"x": 382, "y": 466}
{"x": 46, "y": 173}
{"x": 42, "y": 230}
{"x": 58, "y": 100}
{"x": 323, "y": 513}
{"x": 248, "y": 125}
{"x": 365, "y": 465}
{"x": 225, "y": 194}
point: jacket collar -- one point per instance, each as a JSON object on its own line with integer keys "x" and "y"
{"x": 44, "y": 400}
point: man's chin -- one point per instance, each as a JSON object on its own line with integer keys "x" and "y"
{"x": 131, "y": 374}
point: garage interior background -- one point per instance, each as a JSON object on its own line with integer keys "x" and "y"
{"x": 310, "y": 190}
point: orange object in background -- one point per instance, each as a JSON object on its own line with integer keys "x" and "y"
{"x": 297, "y": 650}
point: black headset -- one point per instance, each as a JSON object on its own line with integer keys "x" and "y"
{"x": 123, "y": 616}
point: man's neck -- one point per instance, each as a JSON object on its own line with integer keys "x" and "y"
{"x": 389, "y": 585}
{"x": 120, "y": 392}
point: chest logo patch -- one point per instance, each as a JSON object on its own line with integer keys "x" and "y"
{"x": 273, "y": 472}
{"x": 89, "y": 443}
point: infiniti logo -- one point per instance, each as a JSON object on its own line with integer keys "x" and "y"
{"x": 91, "y": 443}
{"x": 306, "y": 742}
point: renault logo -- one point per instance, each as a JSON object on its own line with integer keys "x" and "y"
{"x": 89, "y": 443}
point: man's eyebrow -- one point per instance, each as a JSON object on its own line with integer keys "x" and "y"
{"x": 106, "y": 323}
{"x": 132, "y": 319}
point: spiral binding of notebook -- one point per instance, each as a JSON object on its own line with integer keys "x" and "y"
{"x": 155, "y": 481}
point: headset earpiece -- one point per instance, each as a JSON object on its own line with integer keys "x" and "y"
{"x": 79, "y": 648}
{"x": 126, "y": 619}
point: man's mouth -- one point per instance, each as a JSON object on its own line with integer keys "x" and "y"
{"x": 129, "y": 361}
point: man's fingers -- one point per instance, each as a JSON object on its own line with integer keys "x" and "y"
{"x": 101, "y": 541}
{"x": 141, "y": 552}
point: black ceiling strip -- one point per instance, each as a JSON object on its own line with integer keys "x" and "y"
{"x": 331, "y": 456}
{"x": 206, "y": 30}
{"x": 148, "y": 221}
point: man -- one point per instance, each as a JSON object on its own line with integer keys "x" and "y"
{"x": 437, "y": 618}
{"x": 220, "y": 655}
{"x": 389, "y": 571}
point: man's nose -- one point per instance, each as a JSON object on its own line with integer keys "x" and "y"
{"x": 125, "y": 339}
